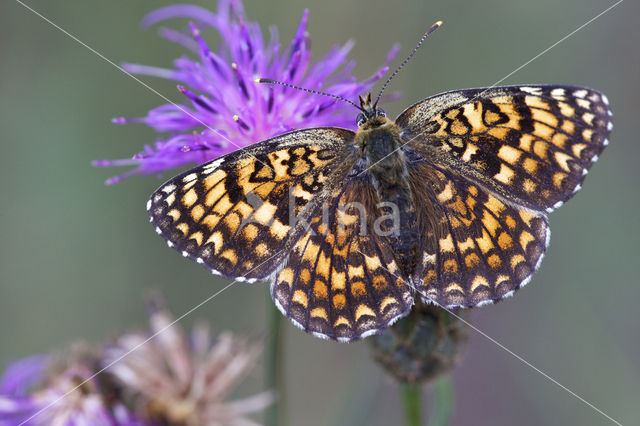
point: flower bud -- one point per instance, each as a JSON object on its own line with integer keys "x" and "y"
{"x": 419, "y": 347}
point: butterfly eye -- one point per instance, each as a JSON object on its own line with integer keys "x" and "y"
{"x": 360, "y": 119}
{"x": 382, "y": 112}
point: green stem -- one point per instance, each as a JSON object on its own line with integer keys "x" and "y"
{"x": 412, "y": 401}
{"x": 274, "y": 367}
{"x": 442, "y": 402}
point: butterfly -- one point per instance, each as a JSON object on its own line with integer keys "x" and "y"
{"x": 447, "y": 204}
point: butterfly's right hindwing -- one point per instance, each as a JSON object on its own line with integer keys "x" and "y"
{"x": 233, "y": 214}
{"x": 475, "y": 248}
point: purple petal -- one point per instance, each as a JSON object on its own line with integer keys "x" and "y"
{"x": 23, "y": 374}
{"x": 180, "y": 11}
{"x": 178, "y": 37}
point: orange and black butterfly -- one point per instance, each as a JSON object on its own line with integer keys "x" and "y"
{"x": 446, "y": 204}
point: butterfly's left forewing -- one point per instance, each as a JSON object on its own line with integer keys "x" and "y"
{"x": 233, "y": 214}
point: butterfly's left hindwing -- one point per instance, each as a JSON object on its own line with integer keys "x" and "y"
{"x": 529, "y": 144}
{"x": 233, "y": 213}
{"x": 341, "y": 280}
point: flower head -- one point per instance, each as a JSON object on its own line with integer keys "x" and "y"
{"x": 182, "y": 379}
{"x": 421, "y": 346}
{"x": 225, "y": 108}
{"x": 162, "y": 377}
{"x": 55, "y": 390}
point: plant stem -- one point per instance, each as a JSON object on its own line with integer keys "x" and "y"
{"x": 412, "y": 401}
{"x": 442, "y": 402}
{"x": 274, "y": 367}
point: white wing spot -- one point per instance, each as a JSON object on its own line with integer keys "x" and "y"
{"x": 158, "y": 231}
{"x": 189, "y": 177}
{"x": 580, "y": 93}
{"x": 199, "y": 260}
{"x": 547, "y": 238}
{"x": 605, "y": 99}
{"x": 169, "y": 243}
{"x": 279, "y": 306}
{"x": 169, "y": 188}
{"x": 594, "y": 158}
{"x": 397, "y": 317}
{"x": 532, "y": 90}
{"x": 369, "y": 333}
{"x": 185, "y": 254}
{"x": 540, "y": 259}
{"x": 606, "y": 142}
{"x": 525, "y": 281}
{"x": 296, "y": 323}
{"x": 320, "y": 335}
{"x": 148, "y": 205}
{"x": 208, "y": 168}
{"x": 609, "y": 126}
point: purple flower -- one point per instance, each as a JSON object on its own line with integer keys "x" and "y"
{"x": 41, "y": 390}
{"x": 226, "y": 109}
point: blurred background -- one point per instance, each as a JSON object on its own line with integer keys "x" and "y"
{"x": 76, "y": 254}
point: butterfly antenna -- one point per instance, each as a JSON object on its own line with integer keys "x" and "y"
{"x": 427, "y": 34}
{"x": 269, "y": 81}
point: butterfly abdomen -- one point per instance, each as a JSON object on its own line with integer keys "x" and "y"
{"x": 386, "y": 167}
{"x": 405, "y": 238}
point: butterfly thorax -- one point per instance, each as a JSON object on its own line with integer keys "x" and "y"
{"x": 379, "y": 143}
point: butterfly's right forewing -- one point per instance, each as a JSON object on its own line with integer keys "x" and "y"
{"x": 532, "y": 145}
{"x": 237, "y": 214}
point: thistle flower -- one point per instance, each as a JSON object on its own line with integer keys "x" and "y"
{"x": 421, "y": 346}
{"x": 225, "y": 108}
{"x": 170, "y": 379}
{"x": 60, "y": 390}
{"x": 182, "y": 380}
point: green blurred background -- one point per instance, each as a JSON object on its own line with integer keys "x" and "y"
{"x": 76, "y": 255}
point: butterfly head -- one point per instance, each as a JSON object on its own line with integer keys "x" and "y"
{"x": 371, "y": 115}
